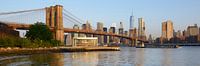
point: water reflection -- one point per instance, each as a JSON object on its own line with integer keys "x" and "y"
{"x": 128, "y": 56}
{"x": 81, "y": 58}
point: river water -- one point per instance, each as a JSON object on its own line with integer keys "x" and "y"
{"x": 128, "y": 56}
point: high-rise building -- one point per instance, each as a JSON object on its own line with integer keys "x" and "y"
{"x": 167, "y": 30}
{"x": 133, "y": 32}
{"x": 126, "y": 40}
{"x": 75, "y": 34}
{"x": 112, "y": 30}
{"x": 199, "y": 30}
{"x": 178, "y": 34}
{"x": 121, "y": 32}
{"x": 100, "y": 29}
{"x": 199, "y": 36}
{"x": 150, "y": 39}
{"x": 184, "y": 33}
{"x": 99, "y": 26}
{"x": 131, "y": 21}
{"x": 141, "y": 28}
{"x": 121, "y": 29}
{"x": 106, "y": 38}
{"x": 87, "y": 26}
{"x": 193, "y": 30}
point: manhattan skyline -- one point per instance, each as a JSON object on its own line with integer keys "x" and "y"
{"x": 182, "y": 12}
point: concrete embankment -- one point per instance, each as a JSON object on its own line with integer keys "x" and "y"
{"x": 24, "y": 51}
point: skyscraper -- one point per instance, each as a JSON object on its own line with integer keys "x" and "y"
{"x": 100, "y": 29}
{"x": 75, "y": 34}
{"x": 131, "y": 21}
{"x": 121, "y": 29}
{"x": 167, "y": 30}
{"x": 99, "y": 26}
{"x": 193, "y": 30}
{"x": 141, "y": 28}
{"x": 150, "y": 39}
{"x": 199, "y": 30}
{"x": 121, "y": 32}
{"x": 106, "y": 38}
{"x": 112, "y": 30}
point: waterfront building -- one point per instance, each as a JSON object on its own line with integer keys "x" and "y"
{"x": 68, "y": 39}
{"x": 167, "y": 30}
{"x": 199, "y": 36}
{"x": 193, "y": 32}
{"x": 85, "y": 41}
{"x": 184, "y": 34}
{"x": 199, "y": 30}
{"x": 141, "y": 29}
{"x": 178, "y": 34}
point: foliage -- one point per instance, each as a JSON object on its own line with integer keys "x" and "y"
{"x": 39, "y": 35}
{"x": 39, "y": 31}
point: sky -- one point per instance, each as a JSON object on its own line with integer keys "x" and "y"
{"x": 182, "y": 12}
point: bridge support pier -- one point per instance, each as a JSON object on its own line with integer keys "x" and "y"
{"x": 54, "y": 19}
{"x": 134, "y": 43}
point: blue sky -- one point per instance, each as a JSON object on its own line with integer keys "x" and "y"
{"x": 181, "y": 12}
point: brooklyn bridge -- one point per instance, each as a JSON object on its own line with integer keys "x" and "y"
{"x": 59, "y": 20}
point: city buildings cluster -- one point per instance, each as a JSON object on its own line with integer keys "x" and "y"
{"x": 169, "y": 35}
{"x": 103, "y": 39}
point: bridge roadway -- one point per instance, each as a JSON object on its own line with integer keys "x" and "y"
{"x": 69, "y": 30}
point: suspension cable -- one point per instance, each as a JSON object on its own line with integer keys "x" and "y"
{"x": 7, "y": 13}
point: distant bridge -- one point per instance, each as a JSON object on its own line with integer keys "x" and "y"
{"x": 54, "y": 17}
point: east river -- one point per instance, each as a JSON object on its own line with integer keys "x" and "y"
{"x": 128, "y": 56}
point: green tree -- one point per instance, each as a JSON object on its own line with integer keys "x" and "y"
{"x": 39, "y": 31}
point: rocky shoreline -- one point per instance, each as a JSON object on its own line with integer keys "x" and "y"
{"x": 27, "y": 51}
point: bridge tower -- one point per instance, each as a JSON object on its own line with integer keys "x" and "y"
{"x": 54, "y": 20}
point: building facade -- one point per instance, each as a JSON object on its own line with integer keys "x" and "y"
{"x": 100, "y": 29}
{"x": 141, "y": 29}
{"x": 193, "y": 32}
{"x": 131, "y": 22}
{"x": 105, "y": 38}
{"x": 167, "y": 30}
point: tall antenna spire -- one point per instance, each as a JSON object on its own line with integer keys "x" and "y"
{"x": 131, "y": 20}
{"x": 132, "y": 13}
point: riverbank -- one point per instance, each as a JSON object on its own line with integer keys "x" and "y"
{"x": 25, "y": 51}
